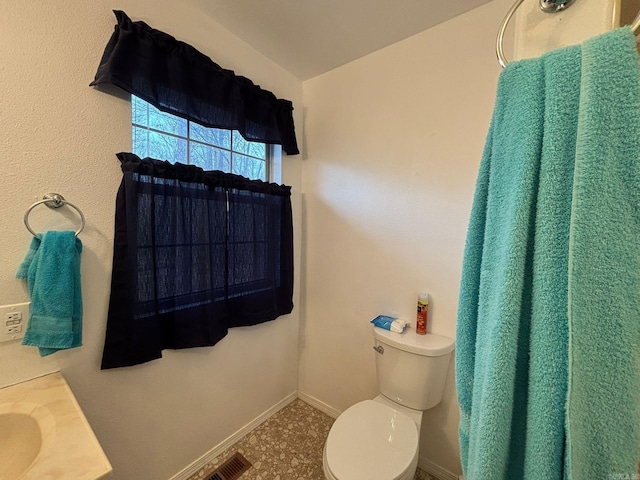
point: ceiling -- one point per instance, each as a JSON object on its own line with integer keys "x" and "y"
{"x": 310, "y": 37}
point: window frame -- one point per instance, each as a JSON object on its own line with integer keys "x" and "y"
{"x": 271, "y": 152}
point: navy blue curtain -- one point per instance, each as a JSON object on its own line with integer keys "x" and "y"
{"x": 178, "y": 79}
{"x": 195, "y": 253}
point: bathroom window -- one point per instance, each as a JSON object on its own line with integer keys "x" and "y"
{"x": 160, "y": 135}
{"x": 198, "y": 248}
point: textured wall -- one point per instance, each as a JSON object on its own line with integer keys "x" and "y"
{"x": 394, "y": 142}
{"x": 59, "y": 134}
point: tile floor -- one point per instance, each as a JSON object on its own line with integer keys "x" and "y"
{"x": 288, "y": 446}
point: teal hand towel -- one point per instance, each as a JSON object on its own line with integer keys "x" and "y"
{"x": 52, "y": 270}
{"x": 558, "y": 181}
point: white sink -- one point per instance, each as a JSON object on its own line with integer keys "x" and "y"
{"x": 23, "y": 427}
{"x": 44, "y": 434}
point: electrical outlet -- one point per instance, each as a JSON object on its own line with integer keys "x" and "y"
{"x": 13, "y": 321}
{"x": 14, "y": 329}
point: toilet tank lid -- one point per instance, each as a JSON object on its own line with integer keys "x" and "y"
{"x": 429, "y": 345}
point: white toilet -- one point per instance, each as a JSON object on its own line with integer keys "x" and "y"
{"x": 378, "y": 439}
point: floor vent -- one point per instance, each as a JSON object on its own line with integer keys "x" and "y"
{"x": 231, "y": 469}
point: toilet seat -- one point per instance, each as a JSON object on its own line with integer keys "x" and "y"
{"x": 371, "y": 440}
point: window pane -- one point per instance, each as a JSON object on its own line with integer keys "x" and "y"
{"x": 254, "y": 149}
{"x": 209, "y": 158}
{"x": 168, "y": 137}
{"x": 166, "y": 147}
{"x": 139, "y": 111}
{"x": 249, "y": 167}
{"x": 213, "y": 136}
{"x": 167, "y": 122}
{"x": 140, "y": 141}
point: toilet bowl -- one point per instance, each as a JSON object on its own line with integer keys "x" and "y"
{"x": 373, "y": 440}
{"x": 379, "y": 439}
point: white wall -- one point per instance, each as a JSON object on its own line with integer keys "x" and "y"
{"x": 393, "y": 144}
{"x": 60, "y": 135}
{"x": 539, "y": 32}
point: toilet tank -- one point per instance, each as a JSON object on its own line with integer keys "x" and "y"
{"x": 412, "y": 368}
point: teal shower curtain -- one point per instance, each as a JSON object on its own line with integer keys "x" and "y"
{"x": 548, "y": 336}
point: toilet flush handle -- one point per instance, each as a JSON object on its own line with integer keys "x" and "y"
{"x": 379, "y": 348}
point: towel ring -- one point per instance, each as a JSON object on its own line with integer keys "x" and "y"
{"x": 53, "y": 200}
{"x": 549, "y": 6}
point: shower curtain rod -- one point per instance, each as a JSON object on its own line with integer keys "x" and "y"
{"x": 549, "y": 6}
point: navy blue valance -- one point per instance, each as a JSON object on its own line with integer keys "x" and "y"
{"x": 178, "y": 79}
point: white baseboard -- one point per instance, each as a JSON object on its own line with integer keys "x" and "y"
{"x": 192, "y": 469}
{"x": 436, "y": 470}
{"x": 315, "y": 403}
